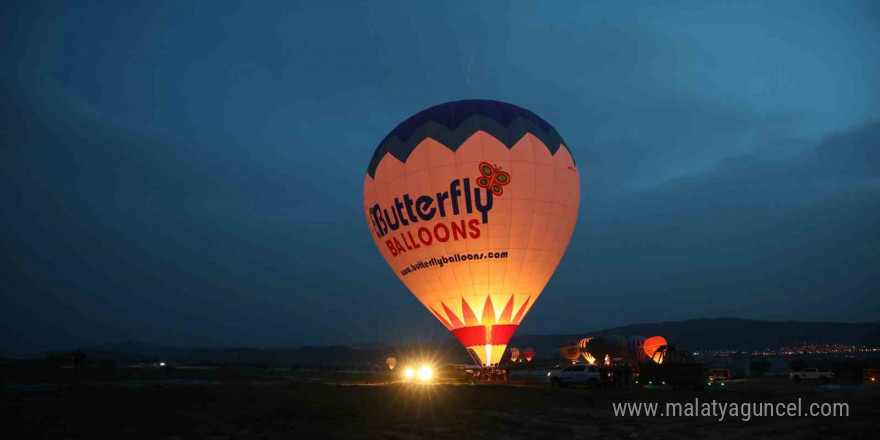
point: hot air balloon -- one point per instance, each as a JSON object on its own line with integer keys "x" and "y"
{"x": 391, "y": 362}
{"x": 570, "y": 352}
{"x": 598, "y": 347}
{"x": 528, "y": 354}
{"x": 635, "y": 348}
{"x": 652, "y": 344}
{"x": 616, "y": 346}
{"x": 582, "y": 345}
{"x": 514, "y": 354}
{"x": 472, "y": 204}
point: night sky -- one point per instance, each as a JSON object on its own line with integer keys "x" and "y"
{"x": 192, "y": 175}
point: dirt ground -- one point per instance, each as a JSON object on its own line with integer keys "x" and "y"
{"x": 351, "y": 408}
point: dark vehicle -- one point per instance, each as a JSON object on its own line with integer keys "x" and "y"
{"x": 676, "y": 368}
{"x": 718, "y": 374}
{"x": 471, "y": 374}
{"x": 456, "y": 373}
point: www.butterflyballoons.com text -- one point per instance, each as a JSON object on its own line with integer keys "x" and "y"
{"x": 440, "y": 261}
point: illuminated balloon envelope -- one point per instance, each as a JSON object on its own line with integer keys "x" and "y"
{"x": 514, "y": 354}
{"x": 652, "y": 344}
{"x": 635, "y": 348}
{"x": 391, "y": 362}
{"x": 570, "y": 352}
{"x": 472, "y": 204}
{"x": 660, "y": 355}
{"x": 528, "y": 354}
{"x": 582, "y": 345}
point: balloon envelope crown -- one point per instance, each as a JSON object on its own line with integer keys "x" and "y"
{"x": 454, "y": 122}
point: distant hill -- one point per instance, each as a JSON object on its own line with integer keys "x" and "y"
{"x": 725, "y": 333}
{"x": 694, "y": 334}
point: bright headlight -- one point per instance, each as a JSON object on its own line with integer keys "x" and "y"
{"x": 409, "y": 373}
{"x": 425, "y": 373}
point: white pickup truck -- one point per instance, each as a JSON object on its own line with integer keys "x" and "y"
{"x": 811, "y": 374}
{"x": 577, "y": 374}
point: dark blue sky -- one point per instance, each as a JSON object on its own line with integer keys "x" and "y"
{"x": 192, "y": 175}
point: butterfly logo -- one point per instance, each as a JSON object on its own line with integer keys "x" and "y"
{"x": 492, "y": 178}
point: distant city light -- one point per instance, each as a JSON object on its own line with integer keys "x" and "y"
{"x": 798, "y": 350}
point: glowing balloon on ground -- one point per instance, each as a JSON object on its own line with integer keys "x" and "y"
{"x": 652, "y": 344}
{"x": 472, "y": 204}
{"x": 582, "y": 345}
{"x": 391, "y": 362}
{"x": 528, "y": 354}
{"x": 514, "y": 354}
{"x": 635, "y": 348}
{"x": 570, "y": 352}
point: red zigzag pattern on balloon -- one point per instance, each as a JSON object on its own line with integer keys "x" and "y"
{"x": 452, "y": 321}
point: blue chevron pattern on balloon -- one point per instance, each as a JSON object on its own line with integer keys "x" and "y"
{"x": 454, "y": 122}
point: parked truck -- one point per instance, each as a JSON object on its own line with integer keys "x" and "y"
{"x": 811, "y": 374}
{"x": 675, "y": 368}
{"x": 575, "y": 374}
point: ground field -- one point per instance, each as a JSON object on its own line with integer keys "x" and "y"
{"x": 354, "y": 407}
